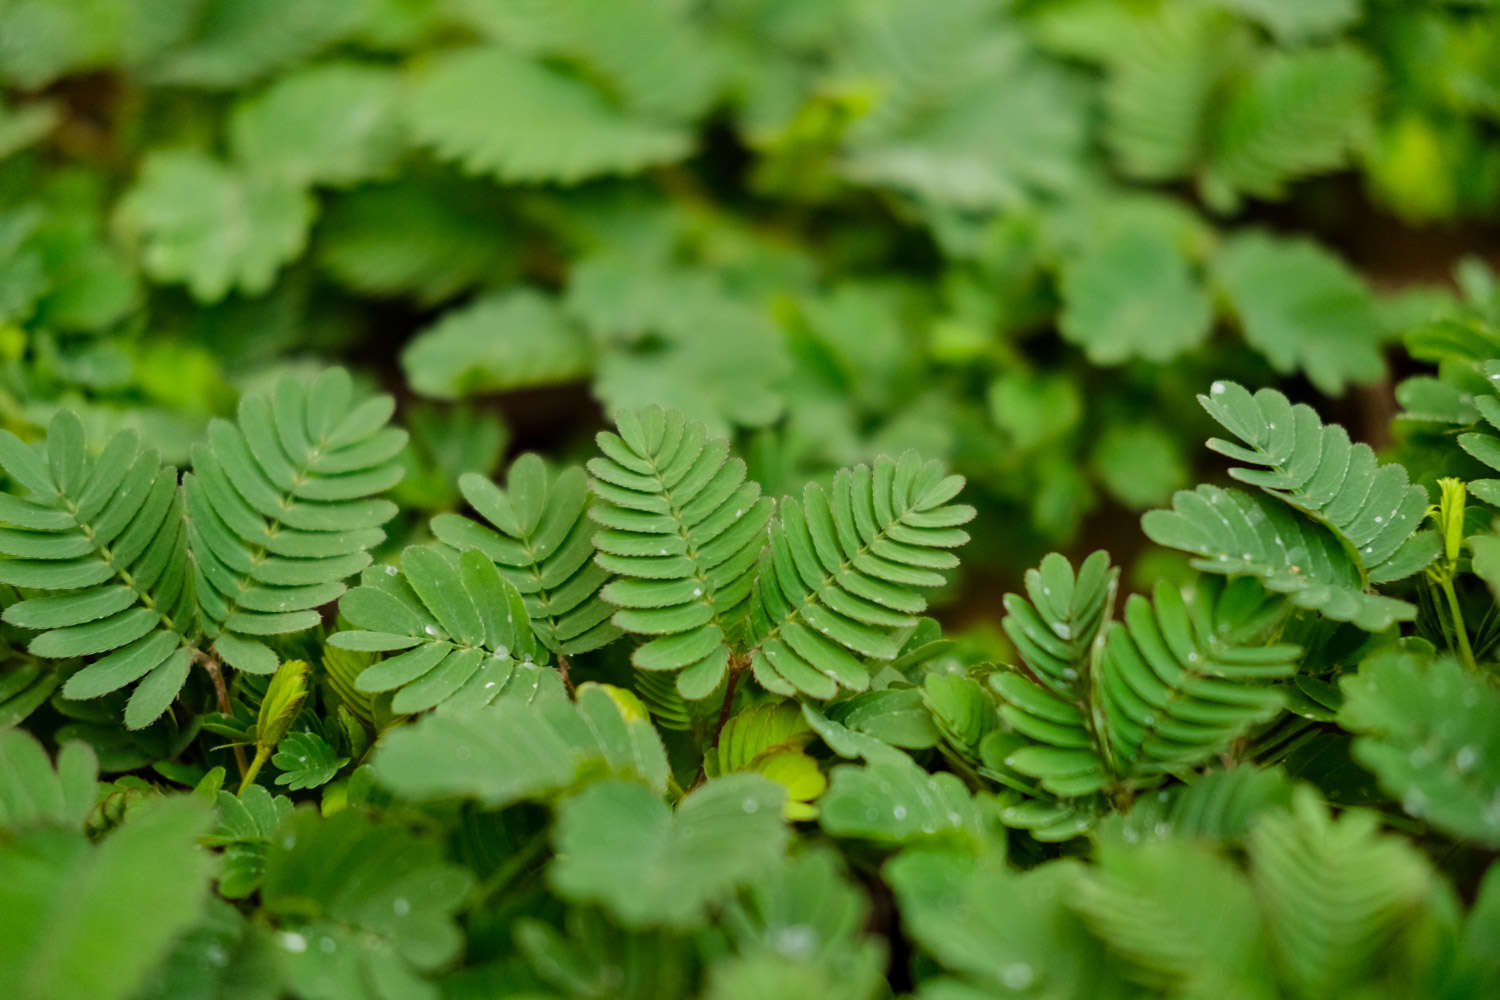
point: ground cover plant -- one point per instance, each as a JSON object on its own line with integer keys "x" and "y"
{"x": 743, "y": 498}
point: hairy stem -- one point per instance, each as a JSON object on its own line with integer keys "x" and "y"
{"x": 211, "y": 664}
{"x": 564, "y": 668}
{"x": 262, "y": 754}
{"x": 735, "y": 668}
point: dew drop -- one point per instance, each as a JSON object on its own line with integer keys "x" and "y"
{"x": 1414, "y": 802}
{"x": 1063, "y": 630}
{"x": 1379, "y": 519}
{"x": 899, "y": 812}
{"x": 216, "y": 956}
{"x": 489, "y": 685}
{"x": 502, "y": 651}
{"x": 430, "y": 630}
{"x": 955, "y": 818}
{"x": 328, "y": 945}
{"x": 750, "y": 806}
{"x": 288, "y": 842}
{"x": 1130, "y": 835}
{"x": 1017, "y": 976}
{"x": 697, "y": 591}
{"x": 401, "y": 906}
{"x": 390, "y": 571}
{"x": 796, "y": 941}
{"x": 1217, "y": 388}
{"x": 1465, "y": 758}
{"x": 293, "y": 942}
{"x": 1161, "y": 829}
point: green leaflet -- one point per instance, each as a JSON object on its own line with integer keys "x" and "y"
{"x": 1426, "y": 730}
{"x": 1207, "y": 942}
{"x": 305, "y": 760}
{"x": 892, "y": 801}
{"x": 526, "y": 744}
{"x": 1313, "y": 467}
{"x": 282, "y": 509}
{"x": 1334, "y": 893}
{"x": 768, "y": 739}
{"x": 554, "y": 126}
{"x": 1302, "y": 308}
{"x": 590, "y": 956}
{"x": 354, "y": 901}
{"x": 537, "y": 534}
{"x": 655, "y": 57}
{"x": 426, "y": 238}
{"x": 997, "y": 931}
{"x": 231, "y": 44}
{"x": 214, "y": 227}
{"x": 618, "y": 845}
{"x": 844, "y": 569}
{"x": 1100, "y": 703}
{"x": 1324, "y": 94}
{"x": 101, "y": 541}
{"x": 331, "y": 124}
{"x": 246, "y": 825}
{"x": 680, "y": 527}
{"x": 458, "y": 630}
{"x": 1133, "y": 296}
{"x": 1220, "y": 806}
{"x": 82, "y": 919}
{"x": 1180, "y": 681}
{"x": 33, "y": 793}
{"x": 1233, "y": 533}
{"x": 508, "y": 340}
{"x": 805, "y": 919}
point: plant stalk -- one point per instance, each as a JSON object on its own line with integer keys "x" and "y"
{"x": 211, "y": 665}
{"x": 1460, "y": 632}
{"x": 734, "y": 679}
{"x": 262, "y": 754}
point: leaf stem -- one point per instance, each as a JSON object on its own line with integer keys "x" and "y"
{"x": 262, "y": 754}
{"x": 564, "y": 668}
{"x": 211, "y": 664}
{"x": 1460, "y": 632}
{"x": 734, "y": 678}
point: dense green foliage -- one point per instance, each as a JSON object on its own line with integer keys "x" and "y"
{"x": 547, "y": 498}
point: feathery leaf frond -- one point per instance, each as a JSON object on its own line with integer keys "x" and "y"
{"x": 102, "y": 541}
{"x": 537, "y": 533}
{"x": 456, "y": 628}
{"x": 844, "y": 570}
{"x": 681, "y": 527}
{"x": 283, "y": 507}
